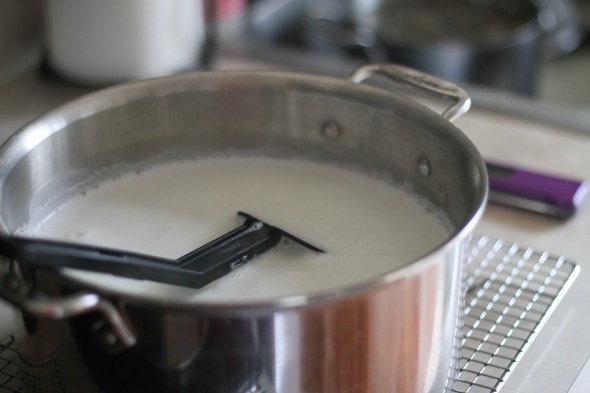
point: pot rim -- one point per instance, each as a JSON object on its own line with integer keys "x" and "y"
{"x": 34, "y": 132}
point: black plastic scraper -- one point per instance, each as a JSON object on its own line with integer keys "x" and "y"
{"x": 195, "y": 269}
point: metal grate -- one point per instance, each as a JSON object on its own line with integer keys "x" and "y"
{"x": 512, "y": 290}
{"x": 511, "y": 293}
{"x": 9, "y": 370}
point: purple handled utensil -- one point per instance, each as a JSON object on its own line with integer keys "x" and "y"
{"x": 534, "y": 191}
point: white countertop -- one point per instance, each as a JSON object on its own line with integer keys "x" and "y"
{"x": 557, "y": 356}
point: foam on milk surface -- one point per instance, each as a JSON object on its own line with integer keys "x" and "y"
{"x": 366, "y": 226}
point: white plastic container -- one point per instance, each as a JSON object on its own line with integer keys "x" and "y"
{"x": 110, "y": 41}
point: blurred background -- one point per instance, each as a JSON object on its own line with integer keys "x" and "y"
{"x": 537, "y": 49}
{"x": 534, "y": 48}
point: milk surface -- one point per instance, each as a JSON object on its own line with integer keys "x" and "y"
{"x": 366, "y": 226}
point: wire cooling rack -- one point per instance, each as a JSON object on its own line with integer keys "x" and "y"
{"x": 9, "y": 370}
{"x": 511, "y": 293}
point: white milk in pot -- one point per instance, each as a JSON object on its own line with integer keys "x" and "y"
{"x": 366, "y": 226}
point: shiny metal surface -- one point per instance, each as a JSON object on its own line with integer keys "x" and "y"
{"x": 439, "y": 88}
{"x": 512, "y": 291}
{"x": 393, "y": 333}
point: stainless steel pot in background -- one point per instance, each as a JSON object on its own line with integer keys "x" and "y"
{"x": 495, "y": 43}
{"x": 394, "y": 333}
{"x": 491, "y": 43}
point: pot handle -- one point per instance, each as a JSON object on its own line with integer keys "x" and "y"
{"x": 67, "y": 307}
{"x": 419, "y": 81}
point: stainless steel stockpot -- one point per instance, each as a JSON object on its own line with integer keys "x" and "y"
{"x": 394, "y": 333}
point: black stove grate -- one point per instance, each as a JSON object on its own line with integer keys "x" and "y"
{"x": 512, "y": 291}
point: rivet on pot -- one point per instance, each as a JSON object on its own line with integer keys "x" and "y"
{"x": 331, "y": 130}
{"x": 424, "y": 167}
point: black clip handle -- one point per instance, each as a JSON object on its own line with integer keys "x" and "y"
{"x": 195, "y": 269}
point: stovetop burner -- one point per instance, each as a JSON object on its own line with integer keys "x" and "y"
{"x": 512, "y": 291}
